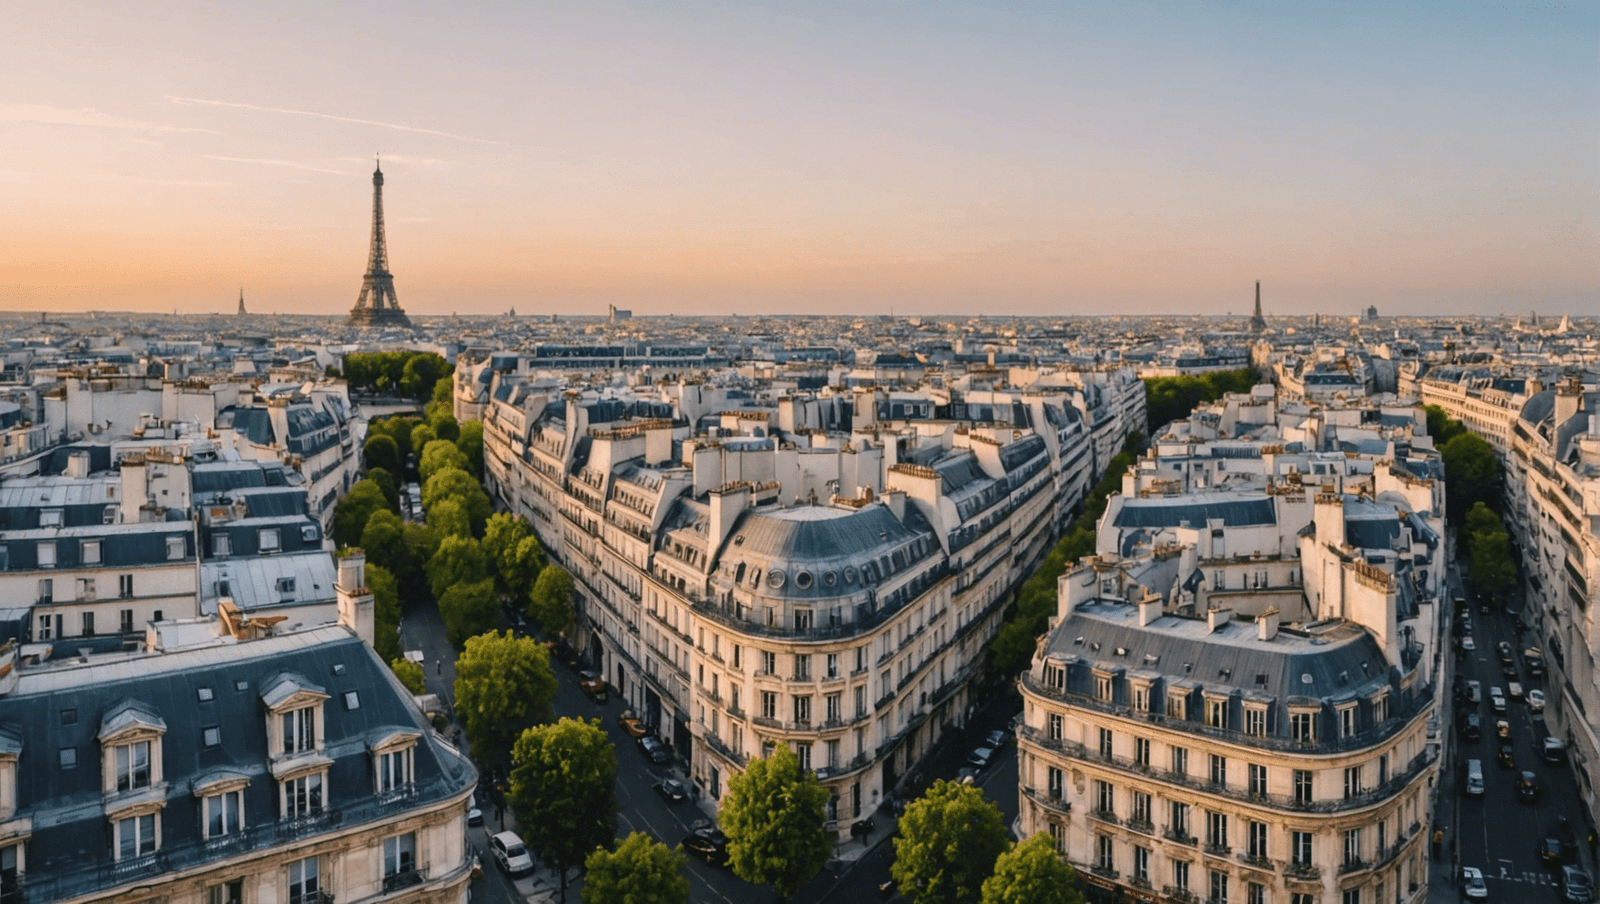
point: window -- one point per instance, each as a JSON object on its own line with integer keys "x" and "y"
{"x": 67, "y": 757}
{"x": 211, "y": 736}
{"x": 1302, "y": 786}
{"x": 737, "y": 651}
{"x": 1141, "y": 698}
{"x": 1058, "y": 834}
{"x": 1300, "y": 848}
{"x": 1352, "y": 782}
{"x": 1105, "y": 797}
{"x": 1102, "y": 687}
{"x": 1217, "y": 713}
{"x": 1180, "y": 820}
{"x": 802, "y": 667}
{"x": 88, "y": 624}
{"x": 50, "y": 517}
{"x": 802, "y": 752}
{"x": 225, "y": 892}
{"x": 1352, "y": 845}
{"x": 1256, "y": 838}
{"x": 832, "y": 748}
{"x": 303, "y": 884}
{"x": 861, "y": 700}
{"x": 769, "y": 705}
{"x": 833, "y": 708}
{"x": 1302, "y": 727}
{"x": 286, "y": 587}
{"x": 1255, "y": 721}
{"x": 1380, "y": 709}
{"x": 224, "y": 813}
{"x": 1255, "y": 893}
{"x": 125, "y": 586}
{"x": 802, "y": 710}
{"x": 1258, "y": 780}
{"x": 1141, "y": 807}
{"x": 125, "y": 621}
{"x": 1180, "y": 875}
{"x": 86, "y": 589}
{"x": 833, "y": 665}
{"x": 1217, "y": 830}
{"x": 174, "y": 549}
{"x": 136, "y": 836}
{"x": 46, "y": 554}
{"x": 352, "y": 700}
{"x": 1219, "y": 888}
{"x": 268, "y": 539}
{"x": 47, "y": 591}
{"x": 1347, "y": 721}
{"x": 302, "y": 796}
{"x": 90, "y": 552}
{"x": 1180, "y": 760}
{"x": 1350, "y": 896}
{"x": 1053, "y": 727}
{"x": 1141, "y": 751}
{"x": 300, "y": 730}
{"x": 132, "y": 765}
{"x": 1103, "y": 858}
{"x": 394, "y": 770}
{"x": 221, "y": 545}
{"x": 769, "y": 662}
{"x": 1105, "y": 743}
{"x": 399, "y": 855}
{"x": 1383, "y": 769}
{"x": 1177, "y": 704}
{"x": 1219, "y": 769}
{"x": 1053, "y": 778}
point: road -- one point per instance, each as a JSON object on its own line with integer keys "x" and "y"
{"x": 1498, "y": 833}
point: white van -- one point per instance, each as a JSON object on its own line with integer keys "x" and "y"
{"x": 1474, "y": 778}
{"x": 1515, "y": 690}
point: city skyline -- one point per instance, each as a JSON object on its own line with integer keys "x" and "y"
{"x": 811, "y": 159}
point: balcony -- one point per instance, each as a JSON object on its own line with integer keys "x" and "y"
{"x": 1256, "y": 860}
{"x": 1051, "y": 800}
{"x": 1218, "y": 850}
{"x": 1308, "y": 872}
{"x": 403, "y": 879}
{"x": 1105, "y": 816}
{"x": 296, "y": 826}
{"x": 1180, "y": 837}
{"x": 1103, "y": 870}
{"x": 1141, "y": 825}
{"x": 1353, "y": 865}
{"x": 1179, "y": 895}
{"x": 397, "y": 795}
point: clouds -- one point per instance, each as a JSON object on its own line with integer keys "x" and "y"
{"x": 292, "y": 164}
{"x": 87, "y": 117}
{"x": 196, "y": 101}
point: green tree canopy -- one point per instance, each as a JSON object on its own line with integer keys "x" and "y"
{"x": 642, "y": 870}
{"x": 458, "y": 561}
{"x": 383, "y": 539}
{"x": 420, "y": 543}
{"x": 398, "y": 429}
{"x": 386, "y": 482}
{"x": 1481, "y": 518}
{"x": 443, "y": 391}
{"x": 1471, "y": 475}
{"x": 947, "y": 844}
{"x": 468, "y": 610}
{"x": 351, "y": 514}
{"x": 501, "y": 534}
{"x": 410, "y": 675}
{"x": 563, "y": 791}
{"x": 421, "y": 373}
{"x": 421, "y": 436}
{"x": 386, "y": 610}
{"x": 454, "y": 483}
{"x": 527, "y": 562}
{"x": 1032, "y": 873}
{"x": 445, "y": 426}
{"x": 515, "y": 554}
{"x": 1169, "y": 398}
{"x": 1442, "y": 427}
{"x": 470, "y": 442}
{"x": 773, "y": 814}
{"x": 1493, "y": 571}
{"x": 504, "y": 686}
{"x": 436, "y": 456}
{"x": 381, "y": 451}
{"x": 550, "y": 601}
{"x": 449, "y": 517}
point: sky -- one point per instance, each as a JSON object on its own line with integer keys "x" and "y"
{"x": 751, "y": 157}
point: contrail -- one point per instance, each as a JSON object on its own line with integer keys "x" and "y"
{"x": 364, "y": 122}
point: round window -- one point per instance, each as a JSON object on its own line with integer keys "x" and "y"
{"x": 829, "y": 578}
{"x": 803, "y": 580}
{"x": 774, "y": 579}
{"x": 849, "y": 574}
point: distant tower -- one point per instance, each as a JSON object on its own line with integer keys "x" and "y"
{"x": 1257, "y": 322}
{"x": 377, "y": 305}
{"x": 242, "y": 312}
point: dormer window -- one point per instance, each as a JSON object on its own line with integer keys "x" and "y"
{"x": 268, "y": 537}
{"x": 50, "y": 517}
{"x": 174, "y": 549}
{"x": 300, "y": 730}
{"x": 131, "y": 775}
{"x": 90, "y": 553}
{"x": 221, "y": 545}
{"x": 132, "y": 765}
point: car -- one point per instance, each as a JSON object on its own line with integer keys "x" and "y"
{"x": 1472, "y": 884}
{"x": 1533, "y": 657}
{"x": 1553, "y": 751}
{"x": 887, "y": 888}
{"x": 705, "y": 848}
{"x": 632, "y": 724}
{"x": 1576, "y": 885}
{"x": 474, "y": 815}
{"x": 1468, "y": 645}
{"x": 1551, "y": 852}
{"x": 980, "y": 758}
{"x": 997, "y": 738}
{"x": 1503, "y": 650}
{"x": 654, "y": 750}
{"x": 1514, "y": 690}
{"x": 1506, "y": 756}
{"x": 1475, "y": 692}
{"x": 672, "y": 791}
{"x": 966, "y": 775}
{"x": 1497, "y": 700}
{"x": 1472, "y": 727}
{"x": 511, "y": 854}
{"x": 1528, "y": 788}
{"x": 1535, "y": 701}
{"x": 1502, "y": 729}
{"x": 594, "y": 686}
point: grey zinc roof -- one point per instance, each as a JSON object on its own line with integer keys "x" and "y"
{"x": 1196, "y": 510}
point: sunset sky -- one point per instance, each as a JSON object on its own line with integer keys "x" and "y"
{"x": 804, "y": 157}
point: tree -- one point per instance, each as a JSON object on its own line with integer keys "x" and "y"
{"x": 421, "y": 436}
{"x": 420, "y": 373}
{"x": 383, "y": 540}
{"x": 1032, "y": 873}
{"x": 386, "y": 482}
{"x": 470, "y": 442}
{"x": 1441, "y": 426}
{"x": 381, "y": 451}
{"x": 1481, "y": 518}
{"x": 1471, "y": 475}
{"x": 468, "y": 610}
{"x": 563, "y": 791}
{"x": 410, "y": 675}
{"x": 444, "y": 424}
{"x": 458, "y": 561}
{"x": 526, "y": 563}
{"x": 386, "y": 610}
{"x": 503, "y": 687}
{"x": 947, "y": 844}
{"x": 421, "y": 544}
{"x": 515, "y": 555}
{"x": 455, "y": 483}
{"x": 436, "y": 456}
{"x": 1493, "y": 571}
{"x": 773, "y": 814}
{"x": 501, "y": 534}
{"x": 398, "y": 429}
{"x": 550, "y": 601}
{"x": 444, "y": 390}
{"x": 351, "y": 514}
{"x": 642, "y": 870}
{"x": 449, "y": 517}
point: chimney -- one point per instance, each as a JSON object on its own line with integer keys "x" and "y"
{"x": 725, "y": 503}
{"x": 1150, "y": 609}
{"x": 357, "y": 608}
{"x": 1569, "y": 397}
{"x": 78, "y": 465}
{"x": 1267, "y": 624}
{"x": 894, "y": 499}
{"x": 1216, "y": 618}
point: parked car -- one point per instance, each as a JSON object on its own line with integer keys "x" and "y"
{"x": 705, "y": 848}
{"x": 1514, "y": 690}
{"x": 1552, "y": 852}
{"x": 1506, "y": 757}
{"x": 980, "y": 758}
{"x": 474, "y": 815}
{"x": 1528, "y": 788}
{"x": 1497, "y": 700}
{"x": 1536, "y": 701}
{"x": 1576, "y": 885}
{"x": 511, "y": 853}
{"x": 654, "y": 750}
{"x": 672, "y": 791}
{"x": 1553, "y": 751}
{"x": 997, "y": 738}
{"x": 1472, "y": 884}
{"x": 1502, "y": 729}
{"x": 1533, "y": 657}
{"x": 1472, "y": 727}
{"x": 594, "y": 686}
{"x": 1467, "y": 644}
{"x": 1475, "y": 692}
{"x": 632, "y": 724}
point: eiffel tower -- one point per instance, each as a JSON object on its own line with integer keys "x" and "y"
{"x": 377, "y": 305}
{"x": 1257, "y": 322}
